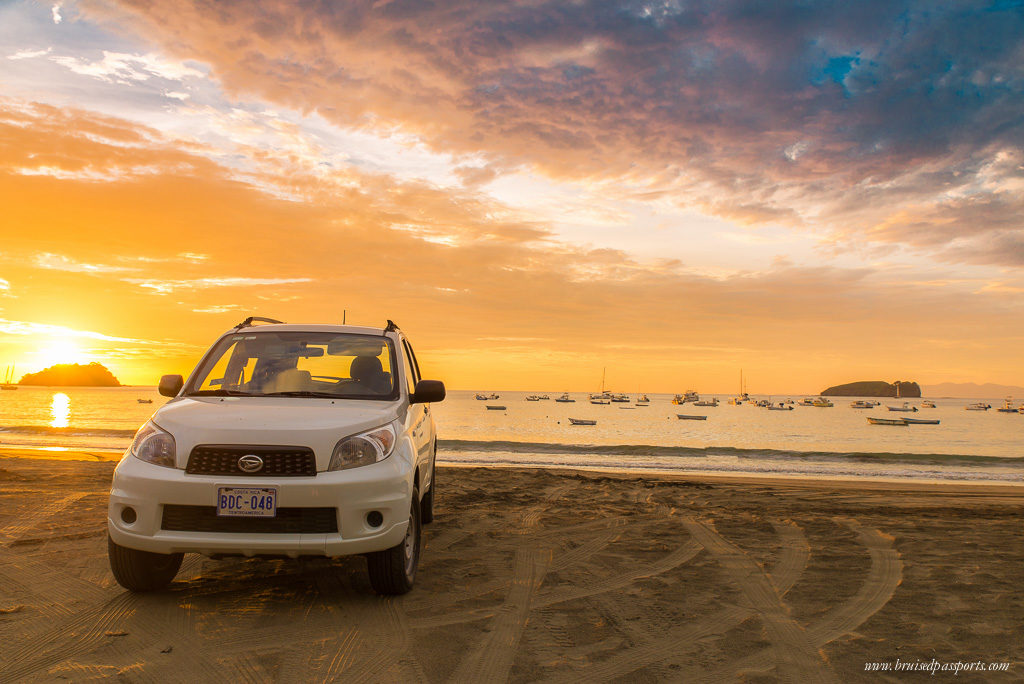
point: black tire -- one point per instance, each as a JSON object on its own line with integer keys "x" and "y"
{"x": 393, "y": 571}
{"x": 427, "y": 503}
{"x": 141, "y": 570}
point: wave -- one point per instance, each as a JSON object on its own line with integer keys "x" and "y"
{"x": 68, "y": 431}
{"x": 737, "y": 452}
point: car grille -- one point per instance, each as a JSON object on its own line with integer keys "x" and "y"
{"x": 219, "y": 459}
{"x": 178, "y": 518}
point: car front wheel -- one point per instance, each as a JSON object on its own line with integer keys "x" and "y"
{"x": 393, "y": 571}
{"x": 141, "y": 570}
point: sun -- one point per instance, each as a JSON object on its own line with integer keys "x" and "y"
{"x": 58, "y": 350}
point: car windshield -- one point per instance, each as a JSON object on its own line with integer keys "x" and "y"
{"x": 298, "y": 364}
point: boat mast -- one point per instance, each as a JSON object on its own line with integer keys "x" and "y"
{"x": 602, "y": 378}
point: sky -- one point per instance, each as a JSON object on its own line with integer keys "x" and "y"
{"x": 812, "y": 192}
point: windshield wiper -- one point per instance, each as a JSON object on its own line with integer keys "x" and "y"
{"x": 220, "y": 393}
{"x": 299, "y": 393}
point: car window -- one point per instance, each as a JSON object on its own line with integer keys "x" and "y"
{"x": 300, "y": 364}
{"x": 410, "y": 369}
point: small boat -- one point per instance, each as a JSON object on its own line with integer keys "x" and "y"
{"x": 920, "y": 421}
{"x": 822, "y": 402}
{"x": 736, "y": 401}
{"x": 144, "y": 401}
{"x": 978, "y": 406}
{"x": 642, "y": 400}
{"x": 862, "y": 404}
{"x": 807, "y": 401}
{"x": 1007, "y": 406}
{"x": 906, "y": 408}
{"x": 887, "y": 421}
{"x": 566, "y": 399}
{"x": 544, "y": 397}
{"x": 705, "y": 402}
{"x": 691, "y": 395}
{"x": 533, "y": 397}
{"x": 481, "y": 397}
{"x": 678, "y": 400}
{"x": 600, "y": 402}
{"x": 620, "y": 398}
{"x": 780, "y": 407}
{"x": 683, "y": 416}
{"x": 581, "y": 421}
{"x": 628, "y": 408}
{"x": 927, "y": 403}
{"x": 492, "y": 407}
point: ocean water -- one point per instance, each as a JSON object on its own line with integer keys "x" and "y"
{"x": 979, "y": 446}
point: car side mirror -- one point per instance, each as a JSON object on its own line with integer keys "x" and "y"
{"x": 427, "y": 392}
{"x": 170, "y": 385}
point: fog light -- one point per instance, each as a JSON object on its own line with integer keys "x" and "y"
{"x": 128, "y": 515}
{"x": 374, "y": 518}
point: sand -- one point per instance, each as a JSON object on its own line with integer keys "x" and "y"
{"x": 539, "y": 576}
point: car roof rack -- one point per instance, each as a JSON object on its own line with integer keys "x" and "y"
{"x": 253, "y": 319}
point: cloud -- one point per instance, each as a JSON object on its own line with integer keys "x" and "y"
{"x": 168, "y": 286}
{"x": 29, "y": 54}
{"x": 829, "y": 116}
{"x": 25, "y": 328}
{"x": 126, "y": 68}
{"x": 59, "y": 262}
{"x": 55, "y": 14}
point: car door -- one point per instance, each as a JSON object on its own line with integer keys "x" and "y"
{"x": 419, "y": 419}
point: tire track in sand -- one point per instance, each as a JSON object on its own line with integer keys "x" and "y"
{"x": 660, "y": 641}
{"x": 797, "y": 657}
{"x": 884, "y": 575}
{"x": 11, "y": 533}
{"x": 491, "y": 659}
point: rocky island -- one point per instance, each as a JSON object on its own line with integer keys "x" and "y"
{"x": 874, "y": 388}
{"x": 72, "y": 375}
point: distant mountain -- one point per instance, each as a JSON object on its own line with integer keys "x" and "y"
{"x": 972, "y": 390}
{"x": 72, "y": 375}
{"x": 874, "y": 388}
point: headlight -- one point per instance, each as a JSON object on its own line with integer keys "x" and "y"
{"x": 153, "y": 445}
{"x": 363, "y": 449}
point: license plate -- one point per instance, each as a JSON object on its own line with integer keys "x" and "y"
{"x": 247, "y": 502}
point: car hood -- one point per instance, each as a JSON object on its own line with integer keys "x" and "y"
{"x": 270, "y": 421}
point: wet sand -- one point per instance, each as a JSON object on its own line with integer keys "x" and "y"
{"x": 534, "y": 575}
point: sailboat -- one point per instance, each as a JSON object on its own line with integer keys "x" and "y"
{"x": 736, "y": 401}
{"x": 604, "y": 397}
{"x": 8, "y": 383}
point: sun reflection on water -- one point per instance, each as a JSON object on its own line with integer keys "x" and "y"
{"x": 60, "y": 409}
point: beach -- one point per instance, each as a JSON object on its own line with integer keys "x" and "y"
{"x": 541, "y": 575}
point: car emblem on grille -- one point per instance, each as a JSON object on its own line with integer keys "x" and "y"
{"x": 250, "y": 463}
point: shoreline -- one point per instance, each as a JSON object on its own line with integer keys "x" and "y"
{"x": 618, "y": 472}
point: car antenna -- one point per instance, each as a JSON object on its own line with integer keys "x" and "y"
{"x": 391, "y": 327}
{"x": 344, "y": 315}
{"x": 252, "y": 319}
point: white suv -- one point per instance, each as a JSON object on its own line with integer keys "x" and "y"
{"x": 286, "y": 440}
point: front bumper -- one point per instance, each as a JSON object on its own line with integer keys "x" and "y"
{"x": 385, "y": 487}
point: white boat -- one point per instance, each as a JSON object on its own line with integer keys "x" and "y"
{"x": 822, "y": 402}
{"x": 779, "y": 407}
{"x": 581, "y": 421}
{"x": 1007, "y": 406}
{"x": 566, "y": 399}
{"x": 978, "y": 406}
{"x": 533, "y": 397}
{"x": 691, "y": 395}
{"x": 705, "y": 402}
{"x": 642, "y": 400}
{"x": 862, "y": 404}
{"x": 544, "y": 397}
{"x": 906, "y": 408}
{"x": 599, "y": 401}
